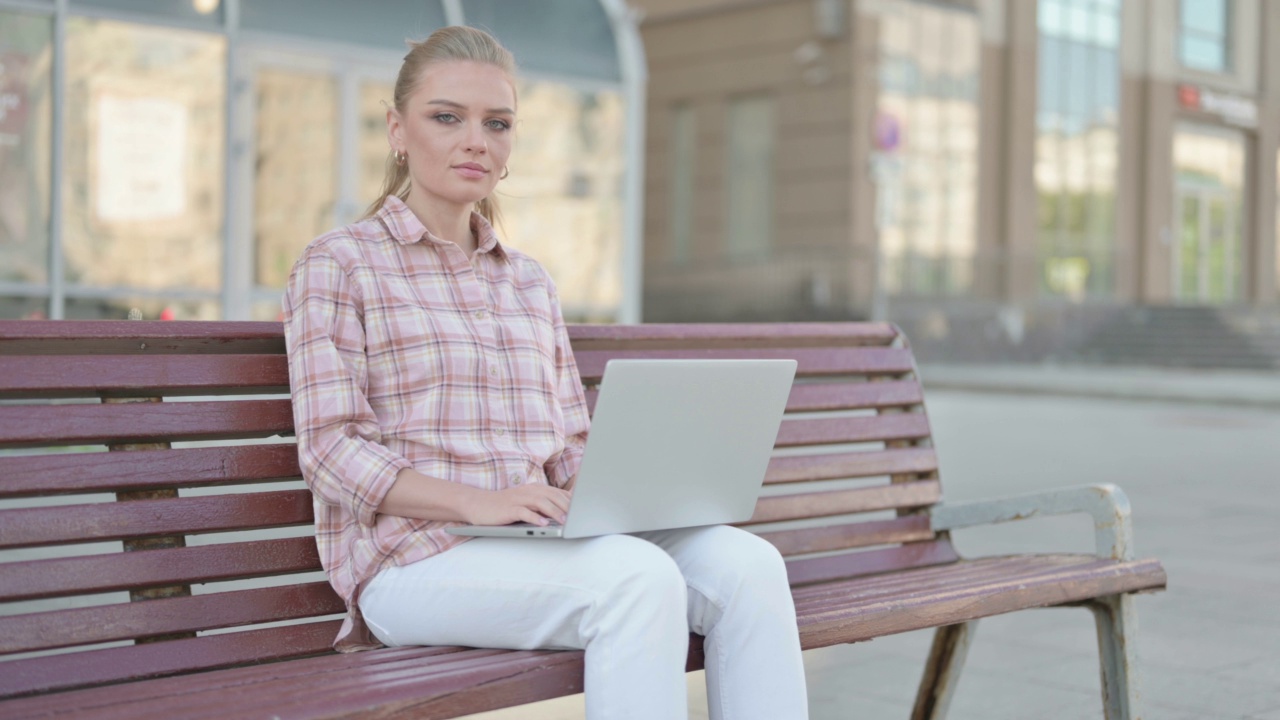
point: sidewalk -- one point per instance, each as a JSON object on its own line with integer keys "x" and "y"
{"x": 1239, "y": 388}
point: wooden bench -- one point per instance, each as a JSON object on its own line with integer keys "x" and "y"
{"x": 184, "y": 581}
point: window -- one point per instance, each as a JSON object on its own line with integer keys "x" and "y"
{"x": 1077, "y": 128}
{"x": 683, "y": 148}
{"x": 750, "y": 178}
{"x": 295, "y": 168}
{"x": 563, "y": 200}
{"x": 926, "y": 159}
{"x": 25, "y": 60}
{"x": 1204, "y": 35}
{"x": 143, "y": 190}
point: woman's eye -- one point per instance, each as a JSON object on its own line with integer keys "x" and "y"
{"x": 445, "y": 117}
{"x": 499, "y": 125}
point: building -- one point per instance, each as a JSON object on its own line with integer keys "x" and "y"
{"x": 1001, "y": 177}
{"x": 175, "y": 156}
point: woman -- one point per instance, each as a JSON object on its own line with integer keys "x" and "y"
{"x": 433, "y": 384}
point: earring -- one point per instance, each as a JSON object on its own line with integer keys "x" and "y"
{"x": 402, "y": 157}
{"x": 505, "y": 172}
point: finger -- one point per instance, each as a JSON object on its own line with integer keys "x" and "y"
{"x": 529, "y": 516}
{"x": 549, "y": 508}
{"x": 560, "y": 499}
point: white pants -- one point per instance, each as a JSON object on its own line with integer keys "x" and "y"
{"x": 629, "y": 601}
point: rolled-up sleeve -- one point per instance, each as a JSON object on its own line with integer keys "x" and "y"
{"x": 339, "y": 439}
{"x": 562, "y": 467}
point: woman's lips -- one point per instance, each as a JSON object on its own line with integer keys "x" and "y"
{"x": 471, "y": 171}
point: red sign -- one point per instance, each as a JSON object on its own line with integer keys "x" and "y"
{"x": 1189, "y": 96}
{"x": 1235, "y": 109}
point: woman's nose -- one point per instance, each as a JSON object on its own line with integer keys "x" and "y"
{"x": 474, "y": 141}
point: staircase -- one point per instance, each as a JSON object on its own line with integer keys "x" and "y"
{"x": 1190, "y": 337}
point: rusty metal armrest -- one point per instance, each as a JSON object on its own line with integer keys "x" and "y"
{"x": 1107, "y": 503}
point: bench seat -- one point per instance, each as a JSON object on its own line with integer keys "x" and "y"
{"x": 408, "y": 681}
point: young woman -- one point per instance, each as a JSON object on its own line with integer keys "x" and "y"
{"x": 433, "y": 384}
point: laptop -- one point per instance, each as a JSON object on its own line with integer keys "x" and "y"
{"x": 673, "y": 443}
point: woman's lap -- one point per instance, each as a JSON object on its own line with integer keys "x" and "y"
{"x": 499, "y": 592}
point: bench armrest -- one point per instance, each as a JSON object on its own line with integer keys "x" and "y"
{"x": 1106, "y": 503}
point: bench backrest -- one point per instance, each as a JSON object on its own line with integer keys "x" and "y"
{"x": 152, "y": 519}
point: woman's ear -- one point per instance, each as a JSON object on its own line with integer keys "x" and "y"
{"x": 395, "y": 130}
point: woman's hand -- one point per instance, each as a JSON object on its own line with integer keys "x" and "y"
{"x": 534, "y": 504}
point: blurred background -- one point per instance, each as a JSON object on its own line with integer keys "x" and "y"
{"x": 1009, "y": 180}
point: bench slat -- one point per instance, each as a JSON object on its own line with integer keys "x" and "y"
{"x": 422, "y": 686}
{"x": 837, "y": 396}
{"x": 62, "y": 524}
{"x": 854, "y": 395}
{"x": 598, "y": 337}
{"x": 813, "y": 598}
{"x": 35, "y": 579}
{"x": 812, "y": 361}
{"x": 90, "y": 424}
{"x": 803, "y": 571}
{"x": 127, "y": 337}
{"x": 50, "y": 376}
{"x": 119, "y": 472}
{"x": 1066, "y": 579}
{"x": 908, "y": 528}
{"x": 223, "y": 650}
{"x": 875, "y": 428}
{"x": 840, "y": 502}
{"x": 828, "y": 466}
{"x": 124, "y": 621}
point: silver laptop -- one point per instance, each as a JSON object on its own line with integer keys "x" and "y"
{"x": 673, "y": 443}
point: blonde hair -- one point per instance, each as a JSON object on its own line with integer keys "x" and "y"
{"x": 448, "y": 44}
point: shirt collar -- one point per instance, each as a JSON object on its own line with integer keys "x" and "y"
{"x": 407, "y": 229}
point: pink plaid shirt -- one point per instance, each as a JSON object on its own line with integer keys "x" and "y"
{"x": 404, "y": 352}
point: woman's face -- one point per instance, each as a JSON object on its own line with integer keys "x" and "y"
{"x": 456, "y": 128}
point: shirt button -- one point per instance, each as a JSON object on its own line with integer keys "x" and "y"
{"x": 500, "y": 432}
{"x": 480, "y": 314}
{"x": 493, "y": 369}
{"x": 515, "y": 479}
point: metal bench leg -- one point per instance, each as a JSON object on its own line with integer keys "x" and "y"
{"x": 1117, "y": 621}
{"x": 942, "y": 670}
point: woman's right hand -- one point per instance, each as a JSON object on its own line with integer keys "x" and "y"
{"x": 535, "y": 504}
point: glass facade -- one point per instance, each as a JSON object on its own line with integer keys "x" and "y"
{"x": 1204, "y": 35}
{"x": 295, "y": 167}
{"x": 26, "y": 59}
{"x": 749, "y": 178}
{"x": 1077, "y": 133}
{"x": 1209, "y": 167}
{"x": 142, "y": 189}
{"x": 926, "y": 148}
{"x": 562, "y": 203}
{"x": 187, "y": 198}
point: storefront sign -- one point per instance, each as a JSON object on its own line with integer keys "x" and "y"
{"x": 1235, "y": 109}
{"x": 13, "y": 97}
{"x": 142, "y": 144}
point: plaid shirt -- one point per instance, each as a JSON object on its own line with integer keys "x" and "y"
{"x": 404, "y": 352}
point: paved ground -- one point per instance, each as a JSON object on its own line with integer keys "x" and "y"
{"x": 1201, "y": 473}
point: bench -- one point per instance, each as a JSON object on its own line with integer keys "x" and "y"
{"x": 157, "y": 557}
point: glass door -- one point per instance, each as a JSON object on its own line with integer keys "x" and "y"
{"x": 1208, "y": 202}
{"x": 311, "y": 159}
